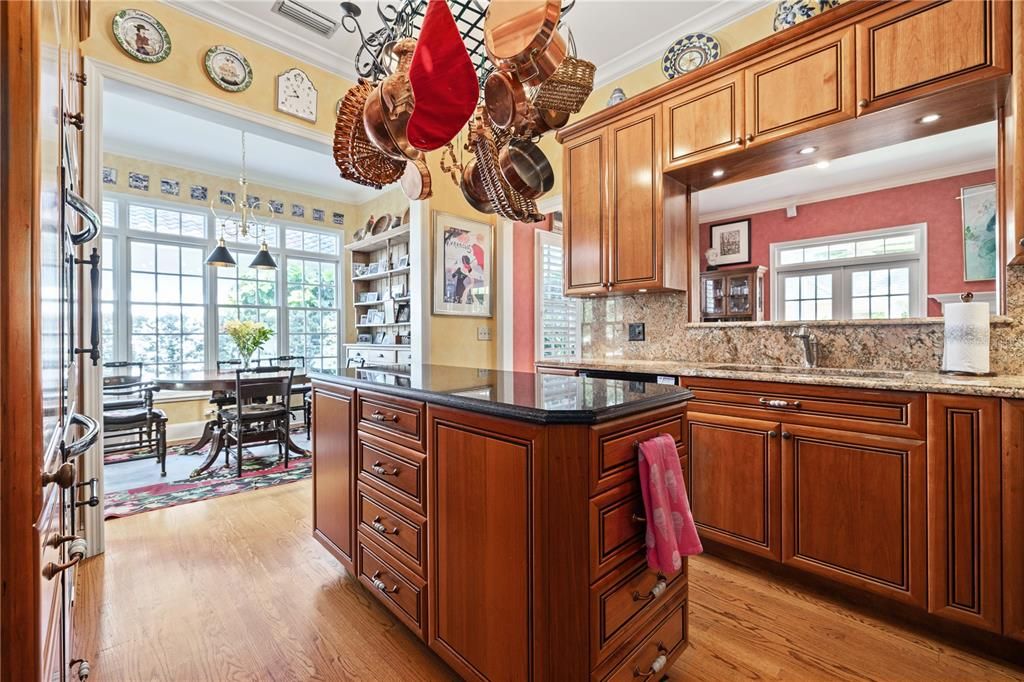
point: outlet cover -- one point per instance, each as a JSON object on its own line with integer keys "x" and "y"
{"x": 483, "y": 333}
{"x": 636, "y": 331}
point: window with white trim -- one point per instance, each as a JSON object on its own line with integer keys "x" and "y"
{"x": 250, "y": 294}
{"x": 876, "y": 275}
{"x": 558, "y": 317}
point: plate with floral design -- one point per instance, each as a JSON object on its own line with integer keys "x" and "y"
{"x": 789, "y": 13}
{"x": 690, "y": 52}
{"x": 141, "y": 36}
{"x": 228, "y": 68}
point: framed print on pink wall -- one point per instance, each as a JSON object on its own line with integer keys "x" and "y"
{"x": 463, "y": 270}
{"x": 732, "y": 242}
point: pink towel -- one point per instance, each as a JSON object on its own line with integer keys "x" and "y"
{"x": 671, "y": 534}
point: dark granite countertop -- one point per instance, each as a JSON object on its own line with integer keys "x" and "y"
{"x": 538, "y": 398}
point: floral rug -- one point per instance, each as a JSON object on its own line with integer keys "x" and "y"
{"x": 258, "y": 471}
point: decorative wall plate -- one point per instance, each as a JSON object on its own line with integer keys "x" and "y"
{"x": 690, "y": 52}
{"x": 228, "y": 68}
{"x": 789, "y": 13}
{"x": 141, "y": 36}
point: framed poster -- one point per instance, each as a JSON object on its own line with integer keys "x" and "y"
{"x": 732, "y": 242}
{"x": 463, "y": 274}
{"x": 978, "y": 205}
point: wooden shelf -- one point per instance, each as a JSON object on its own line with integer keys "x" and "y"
{"x": 381, "y": 275}
{"x": 379, "y": 241}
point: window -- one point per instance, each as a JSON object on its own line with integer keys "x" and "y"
{"x": 558, "y": 317}
{"x": 163, "y": 306}
{"x": 879, "y": 274}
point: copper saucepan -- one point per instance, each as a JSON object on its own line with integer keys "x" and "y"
{"x": 507, "y": 104}
{"x": 415, "y": 180}
{"x": 473, "y": 188}
{"x": 525, "y": 167}
{"x": 522, "y": 36}
{"x": 388, "y": 108}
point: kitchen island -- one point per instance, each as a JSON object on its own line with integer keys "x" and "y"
{"x": 498, "y": 515}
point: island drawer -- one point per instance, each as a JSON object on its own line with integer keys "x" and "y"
{"x": 397, "y": 472}
{"x": 623, "y": 602}
{"x": 880, "y": 412}
{"x": 401, "y": 591}
{"x": 656, "y": 651}
{"x": 395, "y": 419}
{"x": 614, "y": 444}
{"x": 402, "y": 533}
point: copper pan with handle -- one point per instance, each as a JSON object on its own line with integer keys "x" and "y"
{"x": 522, "y": 36}
{"x": 526, "y": 168}
{"x": 388, "y": 108}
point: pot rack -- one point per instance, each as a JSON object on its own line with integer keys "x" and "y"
{"x": 404, "y": 19}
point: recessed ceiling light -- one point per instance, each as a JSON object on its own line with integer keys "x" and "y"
{"x": 930, "y": 118}
{"x": 808, "y": 150}
{"x": 822, "y": 164}
{"x": 717, "y": 173}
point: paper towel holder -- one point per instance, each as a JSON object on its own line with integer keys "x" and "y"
{"x": 966, "y": 297}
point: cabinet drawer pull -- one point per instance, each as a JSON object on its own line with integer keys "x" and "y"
{"x": 656, "y": 590}
{"x": 56, "y": 540}
{"x": 93, "y": 500}
{"x": 76, "y": 551}
{"x": 380, "y": 585}
{"x": 776, "y": 402}
{"x": 656, "y": 667}
{"x": 83, "y": 668}
{"x": 379, "y": 469}
{"x": 381, "y": 528}
{"x": 638, "y": 519}
{"x": 381, "y": 417}
{"x": 63, "y": 476}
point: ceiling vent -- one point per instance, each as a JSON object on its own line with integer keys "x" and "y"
{"x": 307, "y": 16}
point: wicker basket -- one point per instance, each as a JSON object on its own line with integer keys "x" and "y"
{"x": 568, "y": 88}
{"x": 358, "y": 159}
{"x": 507, "y": 202}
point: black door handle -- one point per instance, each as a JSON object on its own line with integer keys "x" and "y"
{"x": 94, "y": 281}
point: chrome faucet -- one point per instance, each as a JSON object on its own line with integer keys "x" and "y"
{"x": 809, "y": 344}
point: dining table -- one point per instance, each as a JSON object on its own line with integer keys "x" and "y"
{"x": 216, "y": 380}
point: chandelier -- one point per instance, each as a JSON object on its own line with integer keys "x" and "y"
{"x": 239, "y": 219}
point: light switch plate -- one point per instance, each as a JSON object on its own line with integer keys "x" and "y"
{"x": 483, "y": 333}
{"x": 636, "y": 331}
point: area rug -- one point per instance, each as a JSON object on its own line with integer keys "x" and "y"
{"x": 258, "y": 471}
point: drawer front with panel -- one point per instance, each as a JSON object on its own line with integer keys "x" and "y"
{"x": 396, "y": 419}
{"x": 399, "y": 589}
{"x": 381, "y": 357}
{"x": 405, "y": 357}
{"x": 614, "y": 445}
{"x": 704, "y": 122}
{"x": 403, "y": 533}
{"x": 655, "y": 652}
{"x": 398, "y": 472}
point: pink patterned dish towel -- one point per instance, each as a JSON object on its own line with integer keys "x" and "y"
{"x": 671, "y": 534}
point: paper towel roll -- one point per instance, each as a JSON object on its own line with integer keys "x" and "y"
{"x": 967, "y": 338}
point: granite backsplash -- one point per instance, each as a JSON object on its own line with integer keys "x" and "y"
{"x": 876, "y": 345}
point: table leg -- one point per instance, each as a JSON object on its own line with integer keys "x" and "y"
{"x": 294, "y": 447}
{"x": 204, "y": 439}
{"x": 216, "y": 443}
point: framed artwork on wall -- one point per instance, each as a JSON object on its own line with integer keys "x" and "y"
{"x": 978, "y": 206}
{"x": 732, "y": 242}
{"x": 463, "y": 276}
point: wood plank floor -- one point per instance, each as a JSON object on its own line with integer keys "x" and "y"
{"x": 236, "y": 588}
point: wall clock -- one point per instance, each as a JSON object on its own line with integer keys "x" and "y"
{"x": 296, "y": 95}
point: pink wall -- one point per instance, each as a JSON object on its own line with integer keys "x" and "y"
{"x": 524, "y": 259}
{"x": 933, "y": 202}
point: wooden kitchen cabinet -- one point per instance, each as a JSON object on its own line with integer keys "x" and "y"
{"x": 333, "y": 480}
{"x": 964, "y": 522}
{"x": 586, "y": 219}
{"x": 733, "y": 459}
{"x": 1013, "y": 518}
{"x": 909, "y": 51}
{"x": 801, "y": 88}
{"x": 853, "y": 509}
{"x": 704, "y": 122}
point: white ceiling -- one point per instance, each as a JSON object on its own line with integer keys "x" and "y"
{"x": 927, "y": 158}
{"x": 163, "y": 129}
{"x": 617, "y": 35}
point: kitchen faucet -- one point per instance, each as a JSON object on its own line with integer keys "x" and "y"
{"x": 809, "y": 344}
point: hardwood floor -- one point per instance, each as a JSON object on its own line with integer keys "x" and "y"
{"x": 236, "y": 588}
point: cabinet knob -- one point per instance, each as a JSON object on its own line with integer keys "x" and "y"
{"x": 739, "y": 141}
{"x": 786, "y": 435}
{"x": 80, "y": 78}
{"x": 77, "y": 120}
{"x": 750, "y": 137}
{"x": 863, "y": 103}
{"x": 63, "y": 476}
{"x": 773, "y": 434}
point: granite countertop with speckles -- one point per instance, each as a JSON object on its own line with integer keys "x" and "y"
{"x": 1000, "y": 386}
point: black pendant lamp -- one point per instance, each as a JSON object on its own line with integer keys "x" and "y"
{"x": 221, "y": 257}
{"x": 263, "y": 259}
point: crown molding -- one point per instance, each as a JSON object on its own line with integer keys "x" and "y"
{"x": 721, "y": 14}
{"x": 319, "y": 52}
{"x": 875, "y": 185}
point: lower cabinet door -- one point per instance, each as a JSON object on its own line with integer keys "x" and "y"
{"x": 333, "y": 472}
{"x": 854, "y": 510}
{"x": 734, "y": 481}
{"x": 1013, "y": 518}
{"x": 964, "y": 574}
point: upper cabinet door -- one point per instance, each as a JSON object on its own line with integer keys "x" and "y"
{"x": 915, "y": 49}
{"x": 704, "y": 122}
{"x": 801, "y": 88}
{"x": 586, "y": 252}
{"x": 636, "y": 210}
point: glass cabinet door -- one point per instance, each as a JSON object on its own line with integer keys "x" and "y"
{"x": 713, "y": 298}
{"x": 739, "y": 294}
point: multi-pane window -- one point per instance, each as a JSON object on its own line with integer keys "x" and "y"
{"x": 558, "y": 317}
{"x": 311, "y": 241}
{"x": 245, "y": 293}
{"x": 166, "y": 221}
{"x": 109, "y": 295}
{"x": 313, "y": 311}
{"x": 880, "y": 274}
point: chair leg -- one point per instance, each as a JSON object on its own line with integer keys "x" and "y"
{"x": 239, "y": 449}
{"x": 161, "y": 446}
{"x": 307, "y": 415}
{"x": 282, "y": 442}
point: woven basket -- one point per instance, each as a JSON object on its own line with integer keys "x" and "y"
{"x": 568, "y": 88}
{"x": 358, "y": 159}
{"x": 507, "y": 202}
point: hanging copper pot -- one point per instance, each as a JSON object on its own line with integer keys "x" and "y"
{"x": 507, "y": 104}
{"x": 415, "y": 180}
{"x": 473, "y": 189}
{"x": 543, "y": 120}
{"x": 388, "y": 108}
{"x": 358, "y": 159}
{"x": 526, "y": 168}
{"x": 522, "y": 36}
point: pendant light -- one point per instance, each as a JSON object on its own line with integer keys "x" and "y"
{"x": 220, "y": 257}
{"x": 263, "y": 259}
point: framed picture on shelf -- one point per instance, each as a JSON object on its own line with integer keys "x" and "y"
{"x": 462, "y": 276}
{"x": 372, "y": 296}
{"x": 364, "y": 338}
{"x": 372, "y": 268}
{"x": 358, "y": 269}
{"x": 402, "y": 314}
{"x": 403, "y": 262}
{"x": 376, "y": 317}
{"x": 364, "y": 319}
{"x": 398, "y": 290}
{"x": 384, "y": 264}
{"x": 732, "y": 242}
{"x": 379, "y": 337}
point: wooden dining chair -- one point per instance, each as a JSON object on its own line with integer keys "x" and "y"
{"x": 262, "y": 396}
{"x": 303, "y": 389}
{"x": 130, "y": 421}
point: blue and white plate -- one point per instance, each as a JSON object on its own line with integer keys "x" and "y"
{"x": 690, "y": 52}
{"x": 789, "y": 13}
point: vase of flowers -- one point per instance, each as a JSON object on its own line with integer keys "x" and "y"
{"x": 248, "y": 336}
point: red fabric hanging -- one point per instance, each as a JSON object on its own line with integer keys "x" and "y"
{"x": 443, "y": 81}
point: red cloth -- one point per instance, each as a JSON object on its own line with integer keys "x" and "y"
{"x": 443, "y": 81}
{"x": 671, "y": 534}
